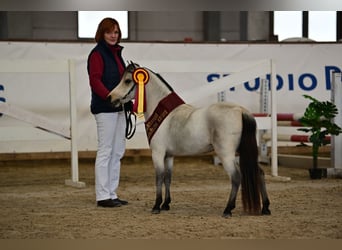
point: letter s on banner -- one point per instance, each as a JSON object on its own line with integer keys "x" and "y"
{"x": 213, "y": 77}
{"x": 2, "y": 99}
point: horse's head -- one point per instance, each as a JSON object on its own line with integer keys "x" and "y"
{"x": 125, "y": 90}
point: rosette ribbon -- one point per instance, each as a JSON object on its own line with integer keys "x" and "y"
{"x": 141, "y": 78}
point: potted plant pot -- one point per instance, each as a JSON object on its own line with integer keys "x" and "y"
{"x": 317, "y": 173}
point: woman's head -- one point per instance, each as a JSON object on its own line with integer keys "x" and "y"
{"x": 109, "y": 31}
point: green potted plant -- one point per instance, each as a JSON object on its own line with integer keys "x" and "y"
{"x": 318, "y": 122}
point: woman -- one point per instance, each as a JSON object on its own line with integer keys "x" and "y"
{"x": 105, "y": 69}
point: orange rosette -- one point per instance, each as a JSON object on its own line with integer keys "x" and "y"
{"x": 140, "y": 77}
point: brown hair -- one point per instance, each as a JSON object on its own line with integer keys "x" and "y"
{"x": 107, "y": 25}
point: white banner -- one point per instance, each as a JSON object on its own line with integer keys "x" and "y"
{"x": 301, "y": 69}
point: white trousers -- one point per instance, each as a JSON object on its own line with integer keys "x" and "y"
{"x": 111, "y": 148}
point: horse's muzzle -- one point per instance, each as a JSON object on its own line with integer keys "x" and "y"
{"x": 115, "y": 103}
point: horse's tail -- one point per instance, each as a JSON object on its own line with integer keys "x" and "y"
{"x": 250, "y": 172}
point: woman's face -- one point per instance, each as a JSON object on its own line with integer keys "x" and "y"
{"x": 112, "y": 37}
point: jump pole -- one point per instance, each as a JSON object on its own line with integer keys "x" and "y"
{"x": 336, "y": 141}
{"x": 273, "y": 126}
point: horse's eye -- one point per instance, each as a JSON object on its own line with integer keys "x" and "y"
{"x": 128, "y": 81}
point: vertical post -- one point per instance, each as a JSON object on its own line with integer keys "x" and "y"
{"x": 274, "y": 130}
{"x": 212, "y": 26}
{"x": 73, "y": 129}
{"x": 264, "y": 108}
{"x": 336, "y": 141}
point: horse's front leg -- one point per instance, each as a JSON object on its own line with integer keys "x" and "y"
{"x": 167, "y": 181}
{"x": 265, "y": 201}
{"x": 159, "y": 194}
{"x": 158, "y": 163}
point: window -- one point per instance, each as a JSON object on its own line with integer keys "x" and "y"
{"x": 288, "y": 24}
{"x": 89, "y": 20}
{"x": 320, "y": 26}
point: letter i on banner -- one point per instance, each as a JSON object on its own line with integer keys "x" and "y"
{"x": 140, "y": 77}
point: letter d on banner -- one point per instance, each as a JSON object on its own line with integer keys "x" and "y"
{"x": 328, "y": 73}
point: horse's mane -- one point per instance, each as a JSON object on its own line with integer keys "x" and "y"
{"x": 164, "y": 81}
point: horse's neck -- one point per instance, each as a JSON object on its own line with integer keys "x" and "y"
{"x": 156, "y": 90}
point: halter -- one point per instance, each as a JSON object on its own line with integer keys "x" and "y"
{"x": 130, "y": 128}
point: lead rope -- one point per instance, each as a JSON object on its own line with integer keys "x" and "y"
{"x": 130, "y": 128}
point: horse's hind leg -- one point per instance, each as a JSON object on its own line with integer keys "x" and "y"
{"x": 233, "y": 171}
{"x": 167, "y": 181}
{"x": 265, "y": 201}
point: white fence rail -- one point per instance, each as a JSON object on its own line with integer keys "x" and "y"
{"x": 42, "y": 122}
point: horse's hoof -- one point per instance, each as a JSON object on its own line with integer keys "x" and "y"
{"x": 265, "y": 212}
{"x": 227, "y": 215}
{"x": 165, "y": 207}
{"x": 155, "y": 211}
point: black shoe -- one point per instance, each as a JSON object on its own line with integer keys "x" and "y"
{"x": 122, "y": 202}
{"x": 108, "y": 203}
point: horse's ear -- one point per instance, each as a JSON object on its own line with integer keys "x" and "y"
{"x": 135, "y": 65}
{"x": 131, "y": 66}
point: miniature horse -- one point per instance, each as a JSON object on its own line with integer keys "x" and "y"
{"x": 175, "y": 128}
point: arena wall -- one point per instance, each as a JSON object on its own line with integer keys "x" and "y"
{"x": 301, "y": 69}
